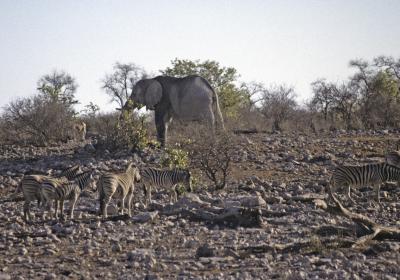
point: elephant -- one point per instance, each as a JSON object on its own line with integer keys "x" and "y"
{"x": 190, "y": 98}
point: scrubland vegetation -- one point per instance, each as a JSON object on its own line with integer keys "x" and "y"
{"x": 259, "y": 206}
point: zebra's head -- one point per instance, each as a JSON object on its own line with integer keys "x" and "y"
{"x": 134, "y": 171}
{"x": 92, "y": 183}
{"x": 86, "y": 180}
{"x": 136, "y": 175}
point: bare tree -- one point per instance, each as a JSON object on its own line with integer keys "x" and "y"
{"x": 119, "y": 84}
{"x": 277, "y": 103}
{"x": 254, "y": 92}
{"x": 323, "y": 96}
{"x": 362, "y": 82}
{"x": 344, "y": 102}
{"x": 390, "y": 64}
{"x": 212, "y": 155}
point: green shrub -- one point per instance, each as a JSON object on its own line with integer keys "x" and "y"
{"x": 125, "y": 131}
{"x": 131, "y": 132}
{"x": 175, "y": 158}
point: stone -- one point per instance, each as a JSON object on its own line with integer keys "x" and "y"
{"x": 252, "y": 201}
{"x": 205, "y": 251}
{"x": 145, "y": 217}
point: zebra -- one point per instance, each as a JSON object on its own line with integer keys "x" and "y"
{"x": 119, "y": 185}
{"x": 68, "y": 173}
{"x": 152, "y": 177}
{"x": 30, "y": 187}
{"x": 356, "y": 176}
{"x": 60, "y": 191}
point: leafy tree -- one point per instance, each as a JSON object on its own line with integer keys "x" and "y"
{"x": 222, "y": 79}
{"x": 91, "y": 110}
{"x": 59, "y": 86}
{"x": 118, "y": 85}
{"x": 386, "y": 99}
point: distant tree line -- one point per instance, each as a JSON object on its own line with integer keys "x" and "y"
{"x": 369, "y": 99}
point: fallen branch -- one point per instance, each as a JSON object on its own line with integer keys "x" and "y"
{"x": 303, "y": 247}
{"x": 12, "y": 198}
{"x": 31, "y": 234}
{"x": 366, "y": 226}
{"x": 244, "y": 217}
{"x": 247, "y": 131}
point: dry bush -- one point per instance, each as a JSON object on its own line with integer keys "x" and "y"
{"x": 101, "y": 125}
{"x": 212, "y": 155}
{"x": 248, "y": 120}
{"x": 37, "y": 120}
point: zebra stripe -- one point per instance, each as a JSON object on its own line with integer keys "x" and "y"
{"x": 70, "y": 172}
{"x": 30, "y": 187}
{"x": 54, "y": 190}
{"x": 168, "y": 179}
{"x": 119, "y": 185}
{"x": 356, "y": 176}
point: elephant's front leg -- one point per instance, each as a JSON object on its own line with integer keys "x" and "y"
{"x": 162, "y": 119}
{"x": 161, "y": 128}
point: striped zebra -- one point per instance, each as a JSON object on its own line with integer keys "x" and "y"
{"x": 120, "y": 185}
{"x": 59, "y": 191}
{"x": 167, "y": 179}
{"x": 68, "y": 173}
{"x": 356, "y": 176}
{"x": 30, "y": 187}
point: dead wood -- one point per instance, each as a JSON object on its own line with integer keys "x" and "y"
{"x": 12, "y": 198}
{"x": 308, "y": 197}
{"x": 246, "y": 131}
{"x": 244, "y": 217}
{"x": 232, "y": 217}
{"x": 304, "y": 247}
{"x": 329, "y": 230}
{"x": 366, "y": 226}
{"x": 31, "y": 234}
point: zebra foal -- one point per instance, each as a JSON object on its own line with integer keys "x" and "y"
{"x": 59, "y": 191}
{"x": 168, "y": 179}
{"x": 120, "y": 185}
{"x": 356, "y": 176}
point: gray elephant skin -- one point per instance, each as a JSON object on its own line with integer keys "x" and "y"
{"x": 188, "y": 99}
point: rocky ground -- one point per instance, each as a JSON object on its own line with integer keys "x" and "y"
{"x": 282, "y": 177}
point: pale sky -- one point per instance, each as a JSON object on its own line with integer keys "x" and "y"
{"x": 290, "y": 41}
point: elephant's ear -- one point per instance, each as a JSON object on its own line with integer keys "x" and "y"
{"x": 153, "y": 94}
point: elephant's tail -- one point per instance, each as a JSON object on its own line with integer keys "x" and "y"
{"x": 218, "y": 110}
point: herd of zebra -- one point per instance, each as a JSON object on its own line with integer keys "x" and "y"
{"x": 72, "y": 181}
